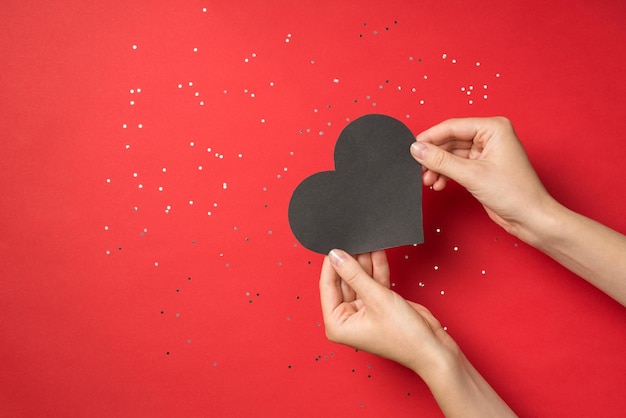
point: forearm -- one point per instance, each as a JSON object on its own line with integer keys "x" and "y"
{"x": 460, "y": 391}
{"x": 585, "y": 247}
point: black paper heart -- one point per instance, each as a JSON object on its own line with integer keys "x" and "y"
{"x": 373, "y": 199}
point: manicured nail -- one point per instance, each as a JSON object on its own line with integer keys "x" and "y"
{"x": 418, "y": 150}
{"x": 337, "y": 257}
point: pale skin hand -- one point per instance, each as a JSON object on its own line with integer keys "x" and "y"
{"x": 485, "y": 156}
{"x": 361, "y": 311}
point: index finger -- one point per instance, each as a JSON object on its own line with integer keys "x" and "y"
{"x": 457, "y": 133}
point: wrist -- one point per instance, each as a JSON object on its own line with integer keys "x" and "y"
{"x": 461, "y": 391}
{"x": 445, "y": 371}
{"x": 444, "y": 361}
{"x": 542, "y": 223}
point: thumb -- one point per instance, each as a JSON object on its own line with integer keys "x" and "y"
{"x": 435, "y": 159}
{"x": 353, "y": 274}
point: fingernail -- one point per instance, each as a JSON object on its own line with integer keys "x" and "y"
{"x": 337, "y": 257}
{"x": 418, "y": 150}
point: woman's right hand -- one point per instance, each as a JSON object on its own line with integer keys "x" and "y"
{"x": 485, "y": 156}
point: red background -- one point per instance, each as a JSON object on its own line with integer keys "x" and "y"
{"x": 114, "y": 305}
